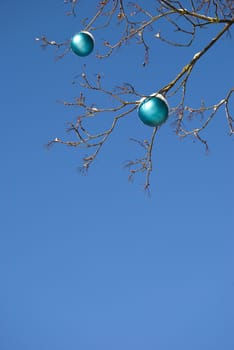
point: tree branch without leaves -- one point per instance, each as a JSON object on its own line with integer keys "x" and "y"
{"x": 133, "y": 21}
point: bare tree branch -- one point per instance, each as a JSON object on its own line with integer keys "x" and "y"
{"x": 132, "y": 21}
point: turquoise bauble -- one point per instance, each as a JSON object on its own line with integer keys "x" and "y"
{"x": 82, "y": 43}
{"x": 153, "y": 110}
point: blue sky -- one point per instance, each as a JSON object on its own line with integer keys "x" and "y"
{"x": 92, "y": 262}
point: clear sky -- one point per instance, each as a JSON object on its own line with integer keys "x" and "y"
{"x": 92, "y": 262}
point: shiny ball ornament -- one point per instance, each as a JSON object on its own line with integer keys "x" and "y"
{"x": 153, "y": 110}
{"x": 82, "y": 43}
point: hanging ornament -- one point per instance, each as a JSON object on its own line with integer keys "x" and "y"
{"x": 153, "y": 110}
{"x": 82, "y": 43}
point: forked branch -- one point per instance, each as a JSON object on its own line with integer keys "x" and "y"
{"x": 133, "y": 20}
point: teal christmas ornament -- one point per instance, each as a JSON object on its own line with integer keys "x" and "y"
{"x": 153, "y": 110}
{"x": 82, "y": 43}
